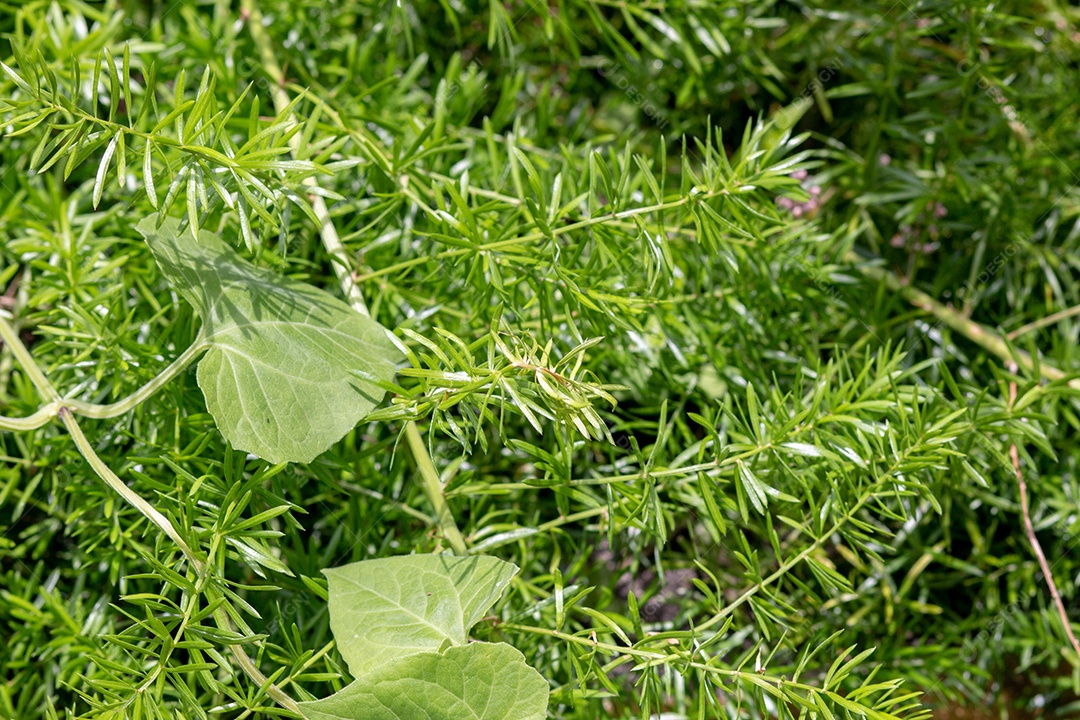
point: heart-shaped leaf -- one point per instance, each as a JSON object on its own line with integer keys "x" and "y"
{"x": 381, "y": 610}
{"x": 481, "y": 681}
{"x": 289, "y": 369}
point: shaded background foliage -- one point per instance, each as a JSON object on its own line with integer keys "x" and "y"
{"x": 941, "y": 140}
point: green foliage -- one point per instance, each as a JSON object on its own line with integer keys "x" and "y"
{"x": 482, "y": 681}
{"x": 289, "y": 369}
{"x": 400, "y": 624}
{"x": 385, "y": 609}
{"x": 683, "y": 298}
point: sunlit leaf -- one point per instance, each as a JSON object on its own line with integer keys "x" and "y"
{"x": 384, "y": 609}
{"x": 289, "y": 369}
{"x": 481, "y": 681}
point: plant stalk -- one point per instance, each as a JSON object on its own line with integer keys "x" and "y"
{"x": 1029, "y": 529}
{"x": 92, "y": 410}
{"x": 973, "y": 331}
{"x": 133, "y": 498}
{"x": 153, "y": 515}
{"x": 136, "y": 398}
{"x": 1044, "y": 322}
{"x": 64, "y": 409}
{"x": 31, "y": 422}
{"x": 343, "y": 269}
{"x": 330, "y": 239}
{"x": 434, "y": 489}
{"x": 22, "y": 355}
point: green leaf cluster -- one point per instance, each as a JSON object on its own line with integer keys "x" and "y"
{"x": 401, "y": 626}
{"x": 289, "y": 369}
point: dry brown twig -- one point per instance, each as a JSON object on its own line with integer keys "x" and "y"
{"x": 1030, "y": 529}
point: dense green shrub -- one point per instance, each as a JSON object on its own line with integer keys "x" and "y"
{"x": 718, "y": 319}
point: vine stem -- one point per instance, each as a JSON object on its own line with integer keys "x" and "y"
{"x": 1029, "y": 529}
{"x": 136, "y": 398}
{"x": 22, "y": 355}
{"x": 133, "y": 498}
{"x": 343, "y": 269}
{"x": 65, "y": 410}
{"x": 153, "y": 515}
{"x": 92, "y": 410}
{"x": 434, "y": 489}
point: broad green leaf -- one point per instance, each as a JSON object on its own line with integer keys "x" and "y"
{"x": 383, "y": 609}
{"x": 289, "y": 368}
{"x": 481, "y": 681}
